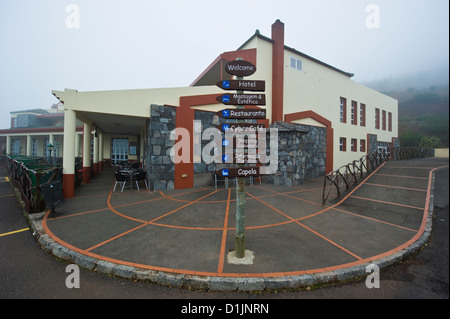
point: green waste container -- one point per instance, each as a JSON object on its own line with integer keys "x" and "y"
{"x": 53, "y": 195}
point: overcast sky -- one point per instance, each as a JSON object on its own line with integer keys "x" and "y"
{"x": 133, "y": 44}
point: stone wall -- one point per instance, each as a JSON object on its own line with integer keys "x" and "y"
{"x": 301, "y": 150}
{"x": 160, "y": 168}
{"x": 301, "y": 153}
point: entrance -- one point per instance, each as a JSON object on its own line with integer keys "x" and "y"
{"x": 119, "y": 152}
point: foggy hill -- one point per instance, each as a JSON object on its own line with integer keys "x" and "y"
{"x": 423, "y": 105}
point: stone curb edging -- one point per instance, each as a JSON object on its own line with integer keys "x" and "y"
{"x": 214, "y": 283}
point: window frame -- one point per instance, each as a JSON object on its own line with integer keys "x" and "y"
{"x": 342, "y": 110}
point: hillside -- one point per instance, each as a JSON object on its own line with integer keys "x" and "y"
{"x": 423, "y": 111}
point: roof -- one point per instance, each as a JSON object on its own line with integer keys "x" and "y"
{"x": 262, "y": 37}
{"x": 38, "y": 111}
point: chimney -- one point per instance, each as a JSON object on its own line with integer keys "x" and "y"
{"x": 277, "y": 70}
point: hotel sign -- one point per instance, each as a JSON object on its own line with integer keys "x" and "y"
{"x": 248, "y": 85}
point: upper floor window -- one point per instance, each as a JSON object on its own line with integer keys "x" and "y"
{"x": 354, "y": 112}
{"x": 383, "y": 120}
{"x": 377, "y": 118}
{"x": 343, "y": 110}
{"x": 390, "y": 122}
{"x": 296, "y": 64}
{"x": 362, "y": 114}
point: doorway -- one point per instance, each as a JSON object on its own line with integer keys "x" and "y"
{"x": 119, "y": 152}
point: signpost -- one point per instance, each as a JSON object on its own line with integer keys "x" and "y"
{"x": 242, "y": 99}
{"x": 241, "y": 68}
{"x": 242, "y": 128}
{"x": 247, "y": 85}
{"x": 239, "y": 172}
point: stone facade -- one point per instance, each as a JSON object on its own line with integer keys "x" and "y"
{"x": 301, "y": 150}
{"x": 301, "y": 153}
{"x": 160, "y": 168}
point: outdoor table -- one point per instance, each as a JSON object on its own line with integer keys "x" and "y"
{"x": 129, "y": 172}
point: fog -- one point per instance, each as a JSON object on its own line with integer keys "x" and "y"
{"x": 117, "y": 44}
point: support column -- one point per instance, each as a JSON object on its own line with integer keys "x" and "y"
{"x": 8, "y": 145}
{"x": 77, "y": 145}
{"x": 69, "y": 153}
{"x": 100, "y": 151}
{"x": 87, "y": 153}
{"x": 95, "y": 155}
{"x": 28, "y": 145}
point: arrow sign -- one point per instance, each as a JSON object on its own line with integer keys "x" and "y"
{"x": 243, "y": 114}
{"x": 242, "y": 99}
{"x": 241, "y": 157}
{"x": 239, "y": 172}
{"x": 247, "y": 85}
{"x": 240, "y": 68}
{"x": 242, "y": 128}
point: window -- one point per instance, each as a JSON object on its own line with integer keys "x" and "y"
{"x": 362, "y": 114}
{"x": 353, "y": 145}
{"x": 34, "y": 147}
{"x": 342, "y": 144}
{"x": 362, "y": 145}
{"x": 46, "y": 151}
{"x": 354, "y": 112}
{"x": 377, "y": 118}
{"x": 383, "y": 120}
{"x": 390, "y": 122}
{"x": 296, "y": 64}
{"x": 343, "y": 110}
{"x": 15, "y": 147}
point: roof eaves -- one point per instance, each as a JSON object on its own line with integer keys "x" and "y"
{"x": 262, "y": 37}
{"x": 318, "y": 61}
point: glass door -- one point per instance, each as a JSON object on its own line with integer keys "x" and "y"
{"x": 119, "y": 152}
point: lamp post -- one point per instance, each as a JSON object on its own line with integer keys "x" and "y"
{"x": 50, "y": 149}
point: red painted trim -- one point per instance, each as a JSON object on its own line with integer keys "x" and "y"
{"x": 277, "y": 70}
{"x": 96, "y": 168}
{"x": 330, "y": 141}
{"x": 68, "y": 185}
{"x": 185, "y": 119}
{"x": 248, "y": 55}
{"x": 86, "y": 175}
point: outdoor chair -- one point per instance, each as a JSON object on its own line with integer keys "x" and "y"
{"x": 140, "y": 176}
{"x": 121, "y": 179}
{"x": 218, "y": 178}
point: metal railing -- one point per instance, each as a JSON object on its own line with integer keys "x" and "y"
{"x": 26, "y": 174}
{"x": 342, "y": 179}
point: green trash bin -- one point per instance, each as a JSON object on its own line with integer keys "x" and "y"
{"x": 53, "y": 195}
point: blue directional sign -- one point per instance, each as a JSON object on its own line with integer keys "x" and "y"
{"x": 225, "y": 142}
{"x": 225, "y": 157}
{"x": 226, "y": 84}
{"x": 225, "y": 127}
{"x": 225, "y": 172}
{"x": 225, "y": 113}
{"x": 225, "y": 99}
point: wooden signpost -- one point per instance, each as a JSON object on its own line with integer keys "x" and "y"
{"x": 247, "y": 85}
{"x": 242, "y": 128}
{"x": 242, "y": 99}
{"x": 241, "y": 68}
